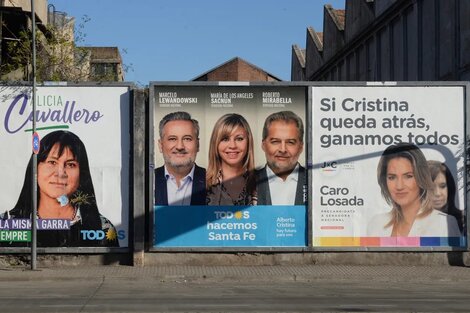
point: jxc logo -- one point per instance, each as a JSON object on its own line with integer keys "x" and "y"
{"x": 100, "y": 235}
{"x": 226, "y": 215}
{"x": 333, "y": 164}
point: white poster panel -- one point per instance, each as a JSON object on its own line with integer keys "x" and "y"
{"x": 83, "y": 154}
{"x": 388, "y": 166}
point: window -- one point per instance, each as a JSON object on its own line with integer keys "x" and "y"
{"x": 104, "y": 71}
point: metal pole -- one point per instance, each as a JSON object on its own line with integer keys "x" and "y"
{"x": 35, "y": 156}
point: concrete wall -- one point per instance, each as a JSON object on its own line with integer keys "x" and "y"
{"x": 382, "y": 5}
{"x": 298, "y": 61}
{"x": 317, "y": 258}
{"x": 463, "y": 7}
{"x": 140, "y": 194}
{"x": 359, "y": 15}
{"x": 40, "y": 7}
{"x": 411, "y": 53}
{"x": 313, "y": 53}
{"x": 333, "y": 35}
{"x": 246, "y": 259}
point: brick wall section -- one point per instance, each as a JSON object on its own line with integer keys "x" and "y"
{"x": 236, "y": 69}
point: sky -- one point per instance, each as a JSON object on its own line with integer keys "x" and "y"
{"x": 178, "y": 40}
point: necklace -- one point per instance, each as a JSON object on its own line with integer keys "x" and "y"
{"x": 74, "y": 215}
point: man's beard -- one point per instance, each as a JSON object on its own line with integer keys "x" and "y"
{"x": 181, "y": 163}
{"x": 282, "y": 169}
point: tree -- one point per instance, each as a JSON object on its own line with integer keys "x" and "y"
{"x": 58, "y": 57}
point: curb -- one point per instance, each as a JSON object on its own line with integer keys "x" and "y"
{"x": 242, "y": 273}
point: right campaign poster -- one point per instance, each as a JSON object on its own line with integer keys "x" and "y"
{"x": 388, "y": 166}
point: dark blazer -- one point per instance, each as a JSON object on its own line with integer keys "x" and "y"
{"x": 264, "y": 194}
{"x": 198, "y": 193}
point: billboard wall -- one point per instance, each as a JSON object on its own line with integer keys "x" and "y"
{"x": 388, "y": 166}
{"x": 228, "y": 203}
{"x": 83, "y": 166}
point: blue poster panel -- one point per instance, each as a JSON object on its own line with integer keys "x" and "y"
{"x": 229, "y": 166}
{"x": 235, "y": 226}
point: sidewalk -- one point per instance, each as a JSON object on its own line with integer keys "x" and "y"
{"x": 242, "y": 273}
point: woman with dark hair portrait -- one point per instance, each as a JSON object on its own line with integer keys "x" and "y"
{"x": 65, "y": 191}
{"x": 230, "y": 174}
{"x": 444, "y": 191}
{"x": 405, "y": 182}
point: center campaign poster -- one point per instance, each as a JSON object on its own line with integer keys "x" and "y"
{"x": 218, "y": 180}
{"x": 388, "y": 166}
{"x": 82, "y": 143}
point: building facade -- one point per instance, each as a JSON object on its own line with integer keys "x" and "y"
{"x": 58, "y": 55}
{"x": 388, "y": 40}
{"x": 105, "y": 64}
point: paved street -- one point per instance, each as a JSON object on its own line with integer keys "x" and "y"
{"x": 237, "y": 289}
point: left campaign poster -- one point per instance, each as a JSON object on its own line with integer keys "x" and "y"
{"x": 83, "y": 166}
{"x": 216, "y": 182}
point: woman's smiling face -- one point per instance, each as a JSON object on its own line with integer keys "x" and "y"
{"x": 401, "y": 183}
{"x": 233, "y": 148}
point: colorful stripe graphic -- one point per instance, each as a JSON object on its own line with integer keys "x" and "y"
{"x": 389, "y": 242}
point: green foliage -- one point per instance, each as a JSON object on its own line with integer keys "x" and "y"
{"x": 57, "y": 56}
